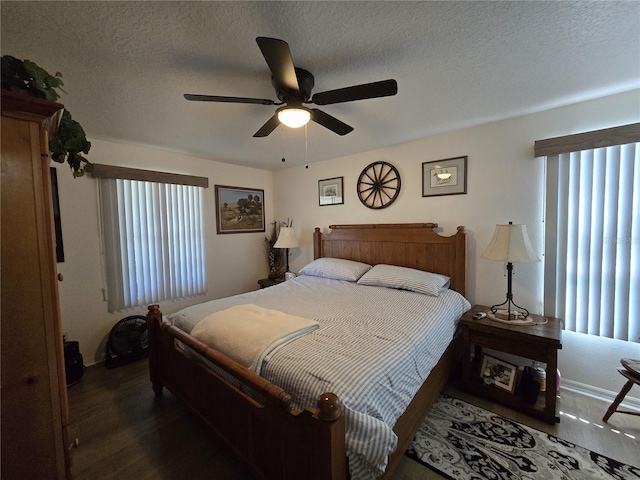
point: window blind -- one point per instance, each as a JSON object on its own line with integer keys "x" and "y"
{"x": 592, "y": 240}
{"x": 153, "y": 240}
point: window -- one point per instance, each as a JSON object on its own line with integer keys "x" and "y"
{"x": 153, "y": 237}
{"x": 592, "y": 231}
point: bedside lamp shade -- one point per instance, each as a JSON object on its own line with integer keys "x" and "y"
{"x": 510, "y": 244}
{"x": 287, "y": 239}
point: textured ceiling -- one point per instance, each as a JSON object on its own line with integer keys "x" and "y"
{"x": 126, "y": 66}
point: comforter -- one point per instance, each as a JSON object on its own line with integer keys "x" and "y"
{"x": 374, "y": 348}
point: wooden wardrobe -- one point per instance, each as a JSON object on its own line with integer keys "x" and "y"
{"x": 35, "y": 417}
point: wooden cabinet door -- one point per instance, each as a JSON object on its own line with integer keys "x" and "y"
{"x": 34, "y": 411}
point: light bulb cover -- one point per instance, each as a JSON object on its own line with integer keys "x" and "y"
{"x": 294, "y": 117}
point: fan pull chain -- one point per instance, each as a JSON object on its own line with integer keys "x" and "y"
{"x": 306, "y": 148}
{"x": 283, "y": 159}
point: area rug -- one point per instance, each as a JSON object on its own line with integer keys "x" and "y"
{"x": 464, "y": 442}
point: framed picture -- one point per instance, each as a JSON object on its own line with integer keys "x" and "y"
{"x": 503, "y": 374}
{"x": 239, "y": 210}
{"x": 444, "y": 177}
{"x": 57, "y": 223}
{"x": 330, "y": 191}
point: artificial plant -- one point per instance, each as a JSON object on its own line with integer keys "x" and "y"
{"x": 24, "y": 76}
{"x": 275, "y": 256}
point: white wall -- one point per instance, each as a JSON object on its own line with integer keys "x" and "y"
{"x": 234, "y": 261}
{"x": 505, "y": 183}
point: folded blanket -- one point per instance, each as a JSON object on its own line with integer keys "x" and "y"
{"x": 249, "y": 333}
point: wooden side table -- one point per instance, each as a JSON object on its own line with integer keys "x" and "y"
{"x": 270, "y": 282}
{"x": 537, "y": 342}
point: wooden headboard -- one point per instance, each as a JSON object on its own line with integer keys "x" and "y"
{"x": 413, "y": 245}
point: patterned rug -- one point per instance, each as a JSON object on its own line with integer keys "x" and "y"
{"x": 464, "y": 442}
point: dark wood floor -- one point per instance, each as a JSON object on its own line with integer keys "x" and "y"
{"x": 126, "y": 433}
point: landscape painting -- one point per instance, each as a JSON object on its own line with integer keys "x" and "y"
{"x": 239, "y": 210}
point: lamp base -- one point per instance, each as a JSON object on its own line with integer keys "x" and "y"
{"x": 516, "y": 317}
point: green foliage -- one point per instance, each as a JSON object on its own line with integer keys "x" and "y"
{"x": 26, "y": 77}
{"x": 275, "y": 256}
{"x": 70, "y": 142}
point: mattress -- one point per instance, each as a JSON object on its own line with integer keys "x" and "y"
{"x": 374, "y": 349}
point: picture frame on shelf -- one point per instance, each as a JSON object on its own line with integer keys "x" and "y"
{"x": 444, "y": 177}
{"x": 503, "y": 374}
{"x": 239, "y": 210}
{"x": 330, "y": 191}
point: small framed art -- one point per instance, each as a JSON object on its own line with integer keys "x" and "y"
{"x": 239, "y": 210}
{"x": 330, "y": 191}
{"x": 444, "y": 177}
{"x": 503, "y": 374}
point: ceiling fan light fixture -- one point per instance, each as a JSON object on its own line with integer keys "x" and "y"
{"x": 293, "y": 88}
{"x": 294, "y": 117}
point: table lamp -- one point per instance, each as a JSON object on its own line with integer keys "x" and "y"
{"x": 511, "y": 244}
{"x": 287, "y": 239}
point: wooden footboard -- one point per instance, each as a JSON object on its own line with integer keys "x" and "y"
{"x": 271, "y": 439}
{"x": 274, "y": 441}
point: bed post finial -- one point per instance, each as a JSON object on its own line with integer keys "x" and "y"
{"x": 154, "y": 313}
{"x": 317, "y": 243}
{"x": 329, "y": 406}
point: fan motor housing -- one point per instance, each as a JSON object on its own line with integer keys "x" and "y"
{"x": 305, "y": 85}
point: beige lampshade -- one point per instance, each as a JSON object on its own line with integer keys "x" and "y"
{"x": 287, "y": 238}
{"x": 510, "y": 243}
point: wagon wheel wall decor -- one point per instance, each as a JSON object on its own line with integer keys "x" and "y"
{"x": 378, "y": 185}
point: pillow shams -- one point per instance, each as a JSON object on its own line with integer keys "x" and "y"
{"x": 404, "y": 278}
{"x": 335, "y": 268}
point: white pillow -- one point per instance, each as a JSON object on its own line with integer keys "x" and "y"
{"x": 404, "y": 278}
{"x": 335, "y": 268}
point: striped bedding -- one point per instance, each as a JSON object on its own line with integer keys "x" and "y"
{"x": 374, "y": 349}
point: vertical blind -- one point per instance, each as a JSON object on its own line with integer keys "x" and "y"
{"x": 153, "y": 241}
{"x": 592, "y": 240}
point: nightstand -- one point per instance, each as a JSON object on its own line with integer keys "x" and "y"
{"x": 536, "y": 342}
{"x": 270, "y": 282}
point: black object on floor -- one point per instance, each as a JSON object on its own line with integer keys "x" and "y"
{"x": 73, "y": 366}
{"x": 127, "y": 341}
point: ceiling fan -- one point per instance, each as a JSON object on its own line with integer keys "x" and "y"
{"x": 293, "y": 87}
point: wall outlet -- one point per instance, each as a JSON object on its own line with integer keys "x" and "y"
{"x": 64, "y": 337}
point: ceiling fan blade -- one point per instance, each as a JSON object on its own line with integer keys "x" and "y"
{"x": 332, "y": 123}
{"x": 384, "y": 88}
{"x": 214, "y": 98}
{"x": 278, "y": 56}
{"x": 268, "y": 127}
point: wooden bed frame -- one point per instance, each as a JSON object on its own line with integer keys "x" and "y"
{"x": 272, "y": 439}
